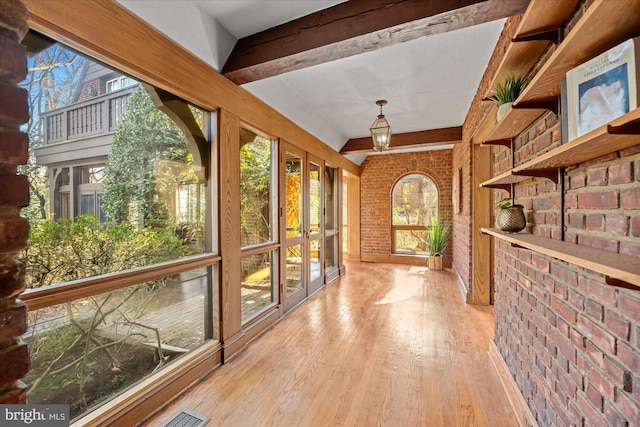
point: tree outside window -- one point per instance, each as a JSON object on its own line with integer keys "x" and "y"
{"x": 414, "y": 202}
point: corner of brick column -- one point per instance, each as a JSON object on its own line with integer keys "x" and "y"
{"x": 14, "y": 230}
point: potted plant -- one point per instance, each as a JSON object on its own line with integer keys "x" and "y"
{"x": 510, "y": 216}
{"x": 438, "y": 239}
{"x": 505, "y": 93}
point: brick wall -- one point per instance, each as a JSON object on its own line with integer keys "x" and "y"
{"x": 462, "y": 160}
{"x": 14, "y": 194}
{"x": 570, "y": 340}
{"x": 378, "y": 175}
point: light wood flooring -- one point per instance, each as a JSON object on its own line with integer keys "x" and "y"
{"x": 385, "y": 345}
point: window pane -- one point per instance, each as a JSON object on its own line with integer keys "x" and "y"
{"x": 330, "y": 201}
{"x": 257, "y": 283}
{"x": 293, "y": 195}
{"x": 87, "y": 351}
{"x": 87, "y": 204}
{"x": 256, "y": 188}
{"x": 315, "y": 194}
{"x": 316, "y": 265}
{"x": 412, "y": 242}
{"x": 415, "y": 201}
{"x": 113, "y": 155}
{"x": 331, "y": 251}
{"x": 293, "y": 272}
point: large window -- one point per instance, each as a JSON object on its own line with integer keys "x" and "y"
{"x": 257, "y": 222}
{"x": 119, "y": 268}
{"x": 414, "y": 203}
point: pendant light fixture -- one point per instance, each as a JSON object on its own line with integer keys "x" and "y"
{"x": 380, "y": 130}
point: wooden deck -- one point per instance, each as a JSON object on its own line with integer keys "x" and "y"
{"x": 386, "y": 345}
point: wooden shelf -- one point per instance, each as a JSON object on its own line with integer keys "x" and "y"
{"x": 604, "y": 25}
{"x": 503, "y": 181}
{"x": 619, "y": 269}
{"x": 540, "y": 17}
{"x": 513, "y": 123}
{"x": 599, "y": 142}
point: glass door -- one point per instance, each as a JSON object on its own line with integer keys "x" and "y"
{"x": 331, "y": 231}
{"x": 303, "y": 224}
{"x": 296, "y": 246}
{"x": 315, "y": 231}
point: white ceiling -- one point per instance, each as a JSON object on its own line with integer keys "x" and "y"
{"x": 428, "y": 82}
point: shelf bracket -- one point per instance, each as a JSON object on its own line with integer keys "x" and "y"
{"x": 612, "y": 281}
{"x": 552, "y": 35}
{"x": 502, "y": 142}
{"x": 549, "y": 104}
{"x": 630, "y": 128}
{"x": 505, "y": 187}
{"x": 550, "y": 174}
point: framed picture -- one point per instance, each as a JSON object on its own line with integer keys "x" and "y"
{"x": 602, "y": 89}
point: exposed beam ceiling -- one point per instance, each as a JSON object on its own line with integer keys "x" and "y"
{"x": 425, "y": 138}
{"x": 355, "y": 27}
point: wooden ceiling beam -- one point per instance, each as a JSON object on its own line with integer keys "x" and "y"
{"x": 423, "y": 138}
{"x": 354, "y": 27}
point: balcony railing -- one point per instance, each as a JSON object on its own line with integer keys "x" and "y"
{"x": 96, "y": 116}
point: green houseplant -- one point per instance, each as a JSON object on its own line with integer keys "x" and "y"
{"x": 439, "y": 235}
{"x": 505, "y": 93}
{"x": 510, "y": 216}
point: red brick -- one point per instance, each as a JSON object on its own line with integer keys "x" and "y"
{"x": 595, "y": 222}
{"x": 620, "y": 173}
{"x": 617, "y": 224}
{"x": 630, "y": 198}
{"x": 14, "y": 321}
{"x": 630, "y": 248}
{"x": 594, "y": 310}
{"x": 578, "y": 180}
{"x": 577, "y": 220}
{"x": 597, "y": 177}
{"x": 14, "y": 233}
{"x": 571, "y": 201}
{"x": 14, "y": 108}
{"x": 604, "y": 340}
{"x": 14, "y": 190}
{"x": 12, "y": 60}
{"x": 598, "y": 200}
{"x": 594, "y": 416}
{"x": 618, "y": 325}
{"x": 628, "y": 408}
{"x": 629, "y": 306}
{"x": 594, "y": 396}
{"x": 629, "y": 356}
{"x": 635, "y": 226}
{"x": 12, "y": 279}
{"x": 15, "y": 363}
{"x": 13, "y": 146}
{"x": 613, "y": 416}
{"x": 598, "y": 242}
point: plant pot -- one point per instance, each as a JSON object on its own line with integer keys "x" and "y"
{"x": 502, "y": 110}
{"x": 435, "y": 262}
{"x": 511, "y": 219}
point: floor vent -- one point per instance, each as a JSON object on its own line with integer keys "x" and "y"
{"x": 187, "y": 418}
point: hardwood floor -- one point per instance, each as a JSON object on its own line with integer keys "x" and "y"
{"x": 385, "y": 345}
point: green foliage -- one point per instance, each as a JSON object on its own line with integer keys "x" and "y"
{"x": 147, "y": 161}
{"x": 438, "y": 237}
{"x": 64, "y": 250}
{"x": 509, "y": 90}
{"x": 255, "y": 188}
{"x": 507, "y": 203}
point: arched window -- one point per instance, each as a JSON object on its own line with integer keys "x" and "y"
{"x": 414, "y": 203}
